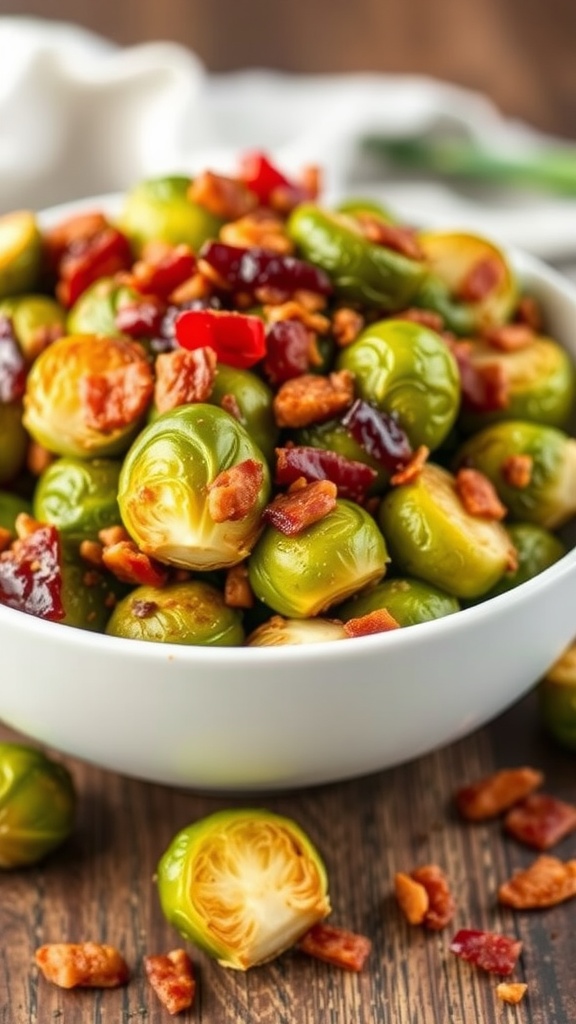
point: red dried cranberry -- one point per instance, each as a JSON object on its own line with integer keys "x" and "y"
{"x": 353, "y": 479}
{"x": 287, "y": 350}
{"x": 12, "y": 363}
{"x": 30, "y": 575}
{"x": 139, "y": 319}
{"x": 250, "y": 269}
{"x": 379, "y": 434}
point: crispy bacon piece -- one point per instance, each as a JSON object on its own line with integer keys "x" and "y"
{"x": 104, "y": 254}
{"x": 293, "y": 512}
{"x": 5, "y": 542}
{"x": 399, "y": 237}
{"x": 130, "y": 565}
{"x": 353, "y": 479}
{"x": 171, "y": 975}
{"x": 116, "y": 398}
{"x": 229, "y": 403}
{"x": 511, "y": 992}
{"x": 441, "y": 904}
{"x": 184, "y": 376}
{"x": 478, "y": 494}
{"x": 346, "y": 325}
{"x": 426, "y": 317}
{"x": 73, "y": 231}
{"x": 224, "y": 197}
{"x": 82, "y": 965}
{"x": 261, "y": 228}
{"x": 541, "y": 820}
{"x": 510, "y": 337}
{"x": 545, "y": 883}
{"x": 336, "y": 946}
{"x": 482, "y": 279}
{"x": 378, "y": 621}
{"x": 162, "y": 268}
{"x": 237, "y": 590}
{"x": 234, "y": 492}
{"x": 529, "y": 312}
{"x": 30, "y": 571}
{"x": 412, "y": 469}
{"x": 494, "y": 794}
{"x": 309, "y": 399}
{"x": 411, "y": 897}
{"x": 484, "y": 387}
{"x": 491, "y": 951}
{"x": 517, "y": 470}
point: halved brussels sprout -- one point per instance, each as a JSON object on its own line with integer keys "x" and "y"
{"x": 11, "y": 505}
{"x": 244, "y": 885}
{"x": 536, "y": 549}
{"x": 33, "y": 318}
{"x": 431, "y": 536}
{"x": 158, "y": 210}
{"x": 408, "y": 371}
{"x": 549, "y": 497}
{"x": 13, "y": 441}
{"x": 304, "y": 574}
{"x": 254, "y": 399}
{"x": 277, "y": 632}
{"x": 86, "y": 395}
{"x": 557, "y": 699}
{"x": 94, "y": 312}
{"x": 20, "y": 252}
{"x": 165, "y": 488}
{"x": 408, "y": 600}
{"x": 192, "y": 613}
{"x": 79, "y": 496}
{"x": 37, "y": 805}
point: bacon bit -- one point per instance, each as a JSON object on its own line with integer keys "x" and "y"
{"x": 130, "y": 565}
{"x": 511, "y": 992}
{"x": 378, "y": 621}
{"x": 104, "y": 254}
{"x": 5, "y": 538}
{"x": 478, "y": 494}
{"x": 336, "y": 946}
{"x": 495, "y": 953}
{"x": 441, "y": 902}
{"x": 510, "y": 337}
{"x": 353, "y": 479}
{"x": 291, "y": 513}
{"x": 411, "y": 471}
{"x": 227, "y": 198}
{"x": 237, "y": 590}
{"x": 346, "y": 326}
{"x": 529, "y": 312}
{"x": 73, "y": 230}
{"x": 541, "y": 821}
{"x": 229, "y": 403}
{"x": 411, "y": 897}
{"x": 517, "y": 470}
{"x": 25, "y": 525}
{"x": 293, "y": 310}
{"x": 38, "y": 458}
{"x": 82, "y": 965}
{"x": 545, "y": 883}
{"x": 485, "y": 387}
{"x": 117, "y": 398}
{"x": 193, "y": 289}
{"x": 91, "y": 551}
{"x": 184, "y": 376}
{"x": 311, "y": 180}
{"x": 234, "y": 492}
{"x": 113, "y": 535}
{"x": 162, "y": 268}
{"x": 310, "y": 399}
{"x": 398, "y": 237}
{"x": 491, "y": 796}
{"x": 426, "y": 317}
{"x": 171, "y": 975}
{"x": 261, "y": 228}
{"x": 483, "y": 278}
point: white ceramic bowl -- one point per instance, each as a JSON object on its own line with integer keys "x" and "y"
{"x": 241, "y": 719}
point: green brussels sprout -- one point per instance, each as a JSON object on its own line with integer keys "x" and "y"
{"x": 20, "y": 252}
{"x": 409, "y": 601}
{"x": 278, "y": 632}
{"x": 167, "y": 481}
{"x": 334, "y": 437}
{"x": 304, "y": 574}
{"x": 244, "y": 885}
{"x": 431, "y": 536}
{"x": 254, "y": 399}
{"x": 408, "y": 371}
{"x": 191, "y": 612}
{"x": 88, "y": 594}
{"x": 159, "y": 210}
{"x": 453, "y": 258}
{"x": 557, "y": 699}
{"x": 360, "y": 270}
{"x": 536, "y": 550}
{"x": 94, "y": 312}
{"x": 549, "y": 499}
{"x": 37, "y": 805}
{"x": 540, "y": 384}
{"x": 35, "y": 319}
{"x": 86, "y": 395}
{"x": 79, "y": 496}
{"x": 11, "y": 505}
{"x": 13, "y": 441}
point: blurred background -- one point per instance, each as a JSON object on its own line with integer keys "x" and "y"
{"x": 520, "y": 53}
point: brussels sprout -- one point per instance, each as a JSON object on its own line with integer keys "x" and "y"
{"x": 453, "y": 257}
{"x": 334, "y": 437}
{"x": 277, "y": 632}
{"x": 88, "y": 594}
{"x": 192, "y": 613}
{"x": 254, "y": 399}
{"x": 536, "y": 549}
{"x": 86, "y": 395}
{"x": 408, "y": 371}
{"x": 244, "y": 885}
{"x": 34, "y": 318}
{"x": 159, "y": 210}
{"x": 37, "y": 805}
{"x": 360, "y": 270}
{"x": 557, "y": 699}
{"x": 165, "y": 488}
{"x": 20, "y": 252}
{"x": 304, "y": 574}
{"x": 94, "y": 312}
{"x": 431, "y": 536}
{"x": 549, "y": 498}
{"x": 78, "y": 496}
{"x": 11, "y": 505}
{"x": 540, "y": 384}
{"x": 13, "y": 441}
{"x": 355, "y": 205}
{"x": 409, "y": 601}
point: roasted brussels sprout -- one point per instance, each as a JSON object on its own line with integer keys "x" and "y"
{"x": 94, "y": 312}
{"x": 536, "y": 549}
{"x": 79, "y": 496}
{"x": 88, "y": 594}
{"x": 13, "y": 441}
{"x": 20, "y": 252}
{"x": 11, "y": 505}
{"x": 192, "y": 613}
{"x": 548, "y": 495}
{"x": 304, "y": 574}
{"x": 244, "y": 885}
{"x": 159, "y": 210}
{"x": 431, "y": 536}
{"x": 557, "y": 699}
{"x": 36, "y": 320}
{"x": 86, "y": 395}
{"x": 277, "y": 632}
{"x": 254, "y": 399}
{"x": 409, "y": 601}
{"x": 408, "y": 371}
{"x": 171, "y": 481}
{"x": 37, "y": 805}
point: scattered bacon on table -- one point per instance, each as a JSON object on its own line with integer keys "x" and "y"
{"x": 336, "y": 946}
{"x": 541, "y": 820}
{"x": 491, "y": 951}
{"x": 82, "y": 965}
{"x": 511, "y": 991}
{"x": 546, "y": 882}
{"x": 491, "y": 796}
{"x": 171, "y": 975}
{"x": 424, "y": 896}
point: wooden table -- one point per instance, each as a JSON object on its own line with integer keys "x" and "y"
{"x": 100, "y": 886}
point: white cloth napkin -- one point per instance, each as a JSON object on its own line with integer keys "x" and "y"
{"x": 80, "y": 116}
